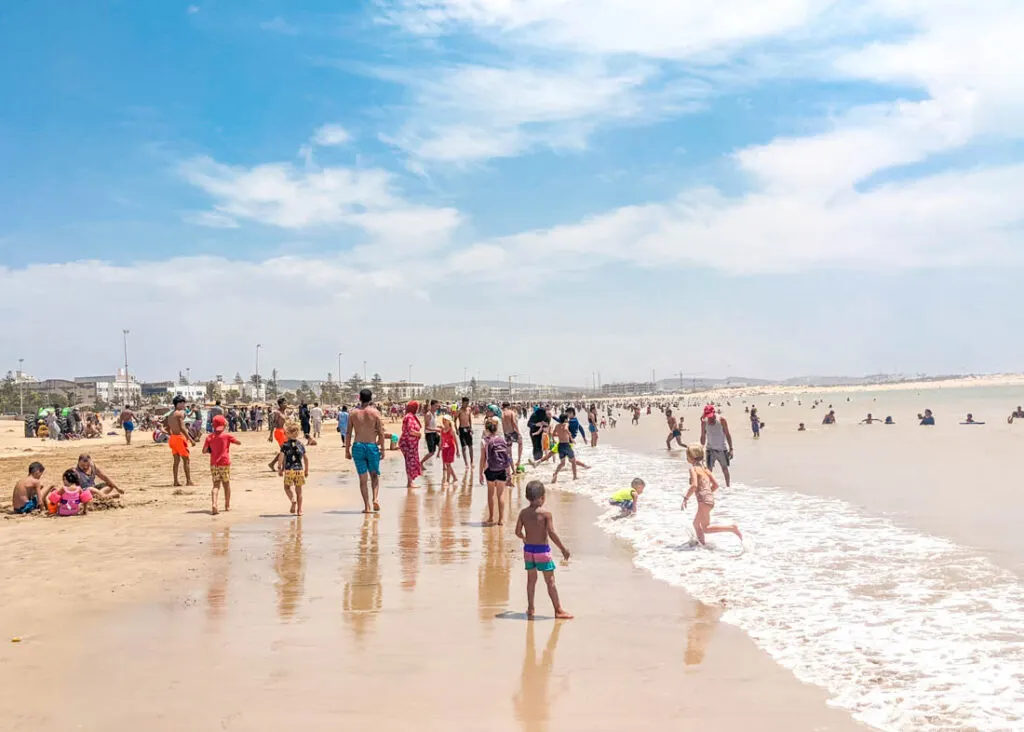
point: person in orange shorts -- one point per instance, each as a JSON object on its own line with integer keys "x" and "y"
{"x": 277, "y": 420}
{"x": 180, "y": 440}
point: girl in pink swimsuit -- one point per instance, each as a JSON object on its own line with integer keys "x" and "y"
{"x": 704, "y": 485}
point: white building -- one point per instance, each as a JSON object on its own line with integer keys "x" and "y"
{"x": 192, "y": 392}
{"x": 631, "y": 388}
{"x": 399, "y": 391}
{"x": 116, "y": 389}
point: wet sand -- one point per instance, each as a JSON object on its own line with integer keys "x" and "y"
{"x": 412, "y": 617}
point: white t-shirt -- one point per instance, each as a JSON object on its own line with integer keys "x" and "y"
{"x": 316, "y": 414}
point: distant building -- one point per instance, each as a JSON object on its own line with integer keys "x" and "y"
{"x": 156, "y": 388}
{"x": 192, "y": 392}
{"x": 628, "y": 388}
{"x": 79, "y": 393}
{"x": 400, "y": 391}
{"x": 116, "y": 389}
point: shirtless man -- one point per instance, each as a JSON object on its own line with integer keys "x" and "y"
{"x": 674, "y": 431}
{"x": 277, "y": 419}
{"x": 179, "y": 440}
{"x": 510, "y": 426}
{"x": 127, "y": 422}
{"x": 431, "y": 432}
{"x": 464, "y": 421}
{"x": 364, "y": 445}
{"x": 29, "y": 494}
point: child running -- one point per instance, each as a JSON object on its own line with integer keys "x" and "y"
{"x": 628, "y": 498}
{"x": 565, "y": 451}
{"x": 534, "y": 527}
{"x": 218, "y": 446}
{"x": 293, "y": 464}
{"x": 704, "y": 485}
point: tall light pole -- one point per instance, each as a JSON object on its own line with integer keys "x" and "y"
{"x": 21, "y": 385}
{"x": 340, "y": 382}
{"x": 364, "y": 371}
{"x": 127, "y": 391}
{"x": 257, "y": 395}
{"x": 410, "y": 373}
{"x": 188, "y": 374}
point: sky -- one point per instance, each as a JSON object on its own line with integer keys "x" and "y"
{"x": 542, "y": 189}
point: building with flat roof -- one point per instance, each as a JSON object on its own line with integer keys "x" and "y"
{"x": 628, "y": 388}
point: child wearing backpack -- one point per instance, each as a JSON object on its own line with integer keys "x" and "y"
{"x": 495, "y": 462}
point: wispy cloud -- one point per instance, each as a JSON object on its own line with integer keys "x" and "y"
{"x": 331, "y": 136}
{"x": 192, "y": 9}
{"x": 279, "y": 25}
{"x": 280, "y": 195}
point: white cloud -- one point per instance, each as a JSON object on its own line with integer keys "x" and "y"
{"x": 472, "y": 112}
{"x": 192, "y": 9}
{"x": 279, "y": 194}
{"x": 331, "y": 135}
{"x": 279, "y": 25}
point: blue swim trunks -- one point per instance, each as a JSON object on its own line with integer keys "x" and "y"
{"x": 624, "y": 505}
{"x": 565, "y": 450}
{"x": 29, "y": 506}
{"x": 366, "y": 456}
{"x": 129, "y": 426}
{"x": 538, "y": 556}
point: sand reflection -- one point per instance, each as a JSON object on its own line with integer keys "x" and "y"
{"x": 494, "y": 575}
{"x": 290, "y": 565}
{"x": 217, "y": 589}
{"x": 532, "y": 702}
{"x": 701, "y": 629}
{"x": 409, "y": 540}
{"x": 364, "y": 593}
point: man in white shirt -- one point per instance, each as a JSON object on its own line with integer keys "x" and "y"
{"x": 316, "y": 418}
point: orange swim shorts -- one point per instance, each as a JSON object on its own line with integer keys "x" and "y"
{"x": 279, "y": 436}
{"x": 178, "y": 445}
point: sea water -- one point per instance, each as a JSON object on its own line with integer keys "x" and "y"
{"x": 906, "y": 630}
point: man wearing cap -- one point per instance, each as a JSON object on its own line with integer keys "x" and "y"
{"x": 717, "y": 440}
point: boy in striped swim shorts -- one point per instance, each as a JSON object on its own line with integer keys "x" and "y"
{"x": 535, "y": 527}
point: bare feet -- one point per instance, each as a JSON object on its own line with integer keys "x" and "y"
{"x": 292, "y": 509}
{"x": 376, "y": 506}
{"x": 177, "y": 484}
{"x": 562, "y": 615}
{"x": 367, "y": 510}
{"x": 214, "y": 511}
{"x": 189, "y": 484}
{"x": 529, "y": 613}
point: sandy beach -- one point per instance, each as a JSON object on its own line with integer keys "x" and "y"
{"x": 254, "y": 619}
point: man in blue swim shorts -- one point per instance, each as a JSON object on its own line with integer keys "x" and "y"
{"x": 364, "y": 446}
{"x": 127, "y": 420}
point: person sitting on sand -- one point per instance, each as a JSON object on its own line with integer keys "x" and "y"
{"x": 88, "y": 473}
{"x": 293, "y": 466}
{"x": 704, "y": 485}
{"x": 534, "y": 527}
{"x": 1018, "y": 413}
{"x": 29, "y": 494}
{"x": 927, "y": 420}
{"x": 628, "y": 498}
{"x": 71, "y": 499}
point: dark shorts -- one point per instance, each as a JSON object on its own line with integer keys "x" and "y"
{"x": 719, "y": 456}
{"x": 29, "y": 507}
{"x": 495, "y": 475}
{"x": 565, "y": 451}
{"x": 677, "y": 433}
{"x": 624, "y": 505}
{"x": 466, "y": 436}
{"x": 512, "y": 438}
{"x": 433, "y": 441}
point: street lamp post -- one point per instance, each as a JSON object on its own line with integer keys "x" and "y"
{"x": 339, "y": 376}
{"x": 21, "y": 385}
{"x": 364, "y": 372}
{"x": 257, "y": 395}
{"x": 127, "y": 390}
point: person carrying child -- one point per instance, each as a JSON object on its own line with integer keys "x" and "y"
{"x": 293, "y": 465}
{"x": 628, "y": 498}
{"x": 535, "y": 527}
{"x": 218, "y": 445}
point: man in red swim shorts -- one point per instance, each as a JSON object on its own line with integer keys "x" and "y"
{"x": 179, "y": 440}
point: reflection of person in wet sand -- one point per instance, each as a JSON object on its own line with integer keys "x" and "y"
{"x": 290, "y": 567}
{"x": 409, "y": 540}
{"x": 217, "y": 592}
{"x": 532, "y": 702}
{"x": 494, "y": 575}
{"x": 364, "y": 594}
{"x": 701, "y": 630}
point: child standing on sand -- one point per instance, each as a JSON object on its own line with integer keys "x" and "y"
{"x": 534, "y": 527}
{"x": 218, "y": 445}
{"x": 627, "y": 498}
{"x": 704, "y": 485}
{"x": 293, "y": 464}
{"x": 449, "y": 446}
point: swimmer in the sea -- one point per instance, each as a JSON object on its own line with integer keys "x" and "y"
{"x": 869, "y": 419}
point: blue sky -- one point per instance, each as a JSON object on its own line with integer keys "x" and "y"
{"x": 512, "y": 186}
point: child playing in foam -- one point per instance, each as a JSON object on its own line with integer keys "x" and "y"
{"x": 627, "y": 498}
{"x": 70, "y": 499}
{"x": 704, "y": 485}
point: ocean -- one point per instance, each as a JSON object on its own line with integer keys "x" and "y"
{"x": 881, "y": 563}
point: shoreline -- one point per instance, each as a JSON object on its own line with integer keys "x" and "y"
{"x": 254, "y": 592}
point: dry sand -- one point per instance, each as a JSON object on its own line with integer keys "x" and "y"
{"x": 162, "y": 617}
